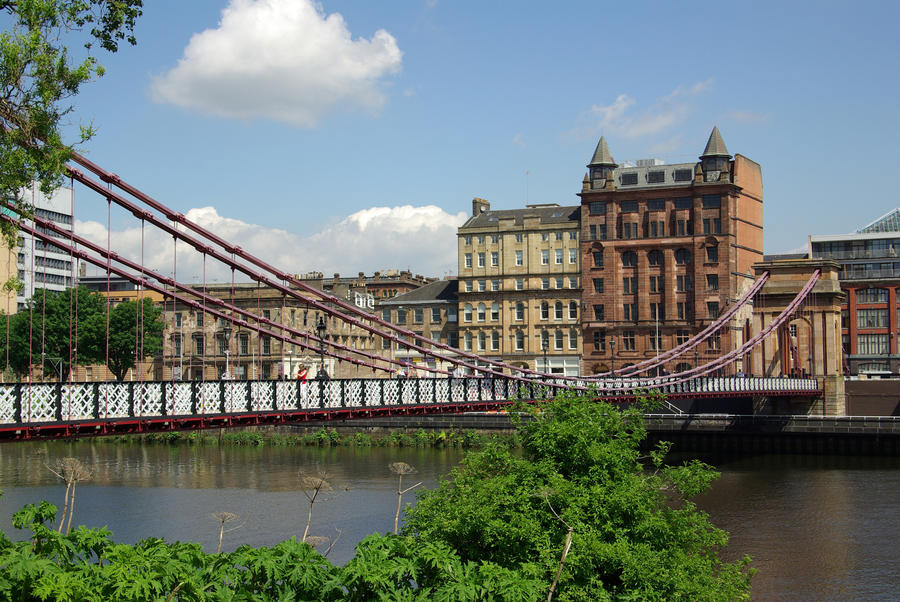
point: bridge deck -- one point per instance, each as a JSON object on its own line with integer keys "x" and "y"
{"x": 61, "y": 410}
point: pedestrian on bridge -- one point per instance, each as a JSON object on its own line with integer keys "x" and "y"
{"x": 302, "y": 374}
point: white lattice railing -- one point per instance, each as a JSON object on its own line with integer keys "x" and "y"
{"x": 24, "y": 403}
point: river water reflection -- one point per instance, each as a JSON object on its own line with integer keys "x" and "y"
{"x": 817, "y": 528}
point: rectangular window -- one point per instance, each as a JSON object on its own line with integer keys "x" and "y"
{"x": 655, "y": 341}
{"x": 683, "y": 310}
{"x": 872, "y": 344}
{"x": 712, "y": 201}
{"x": 599, "y": 313}
{"x": 244, "y": 345}
{"x": 418, "y": 315}
{"x": 467, "y": 240}
{"x": 712, "y": 282}
{"x": 656, "y": 284}
{"x": 629, "y": 312}
{"x": 467, "y": 260}
{"x": 557, "y": 235}
{"x": 495, "y": 258}
{"x": 199, "y": 320}
{"x": 598, "y": 259}
{"x": 198, "y": 345}
{"x": 495, "y": 238}
{"x": 712, "y": 254}
{"x": 573, "y": 339}
{"x": 573, "y": 282}
{"x": 545, "y": 236}
{"x": 573, "y": 256}
{"x": 266, "y": 345}
{"x": 482, "y": 286}
{"x": 545, "y": 257}
{"x": 481, "y": 260}
{"x": 684, "y": 203}
{"x": 656, "y": 177}
{"x": 629, "y": 179}
{"x": 545, "y": 284}
{"x": 559, "y": 282}
{"x": 519, "y": 238}
{"x": 495, "y": 285}
{"x": 573, "y": 235}
{"x": 628, "y": 340}
{"x": 714, "y": 343}
{"x": 629, "y": 206}
{"x": 495, "y": 312}
{"x": 520, "y": 284}
{"x": 629, "y": 285}
{"x": 682, "y": 336}
{"x": 684, "y": 175}
{"x": 386, "y": 314}
{"x": 220, "y": 342}
{"x": 654, "y": 229}
{"x": 601, "y": 231}
{"x": 519, "y": 260}
{"x": 178, "y": 319}
{"x": 592, "y": 232}
{"x": 872, "y": 318}
{"x": 558, "y": 256}
{"x": 872, "y": 295}
{"x": 656, "y": 205}
{"x": 177, "y": 341}
{"x": 267, "y": 314}
{"x": 598, "y": 285}
{"x": 597, "y": 208}
{"x": 451, "y": 313}
{"x": 435, "y": 315}
{"x": 401, "y": 316}
{"x": 469, "y": 286}
{"x": 599, "y": 340}
{"x": 385, "y": 343}
{"x": 481, "y": 240}
{"x": 712, "y": 308}
{"x": 682, "y": 283}
{"x": 657, "y": 312}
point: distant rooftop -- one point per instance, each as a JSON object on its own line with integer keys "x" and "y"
{"x": 547, "y": 213}
{"x": 889, "y": 222}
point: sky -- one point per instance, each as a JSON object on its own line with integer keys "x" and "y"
{"x": 349, "y": 135}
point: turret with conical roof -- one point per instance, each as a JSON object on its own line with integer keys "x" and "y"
{"x": 602, "y": 164}
{"x": 715, "y": 158}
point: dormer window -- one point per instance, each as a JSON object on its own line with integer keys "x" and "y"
{"x": 629, "y": 179}
{"x": 656, "y": 177}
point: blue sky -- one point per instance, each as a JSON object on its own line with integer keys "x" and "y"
{"x": 352, "y": 135}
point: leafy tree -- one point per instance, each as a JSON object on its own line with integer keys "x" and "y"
{"x": 50, "y": 323}
{"x": 634, "y": 531}
{"x": 125, "y": 320}
{"x": 39, "y": 77}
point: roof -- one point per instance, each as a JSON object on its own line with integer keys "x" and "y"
{"x": 441, "y": 291}
{"x": 889, "y": 222}
{"x": 715, "y": 146}
{"x": 552, "y": 214}
{"x": 602, "y": 156}
{"x": 643, "y": 176}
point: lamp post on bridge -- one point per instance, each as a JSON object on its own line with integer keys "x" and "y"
{"x": 226, "y": 334}
{"x": 612, "y": 355}
{"x": 321, "y": 327}
{"x": 545, "y": 343}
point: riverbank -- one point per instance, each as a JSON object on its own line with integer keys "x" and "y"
{"x": 322, "y": 437}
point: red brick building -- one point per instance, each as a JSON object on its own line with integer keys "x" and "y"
{"x": 665, "y": 249}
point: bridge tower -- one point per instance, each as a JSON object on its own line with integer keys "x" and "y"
{"x": 810, "y": 344}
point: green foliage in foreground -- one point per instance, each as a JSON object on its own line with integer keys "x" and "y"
{"x": 495, "y": 530}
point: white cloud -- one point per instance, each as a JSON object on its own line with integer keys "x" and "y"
{"x": 419, "y": 238}
{"x": 518, "y": 141}
{"x": 666, "y": 113}
{"x": 283, "y": 60}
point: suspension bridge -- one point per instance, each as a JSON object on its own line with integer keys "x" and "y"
{"x": 37, "y": 409}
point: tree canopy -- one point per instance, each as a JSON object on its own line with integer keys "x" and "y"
{"x": 39, "y": 77}
{"x": 58, "y": 325}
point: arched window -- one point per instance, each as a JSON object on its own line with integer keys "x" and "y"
{"x": 682, "y": 367}
{"x": 573, "y": 339}
{"x": 545, "y": 340}
{"x": 558, "y": 313}
{"x": 629, "y": 259}
{"x": 520, "y": 340}
{"x": 482, "y": 312}
{"x": 468, "y": 341}
{"x": 545, "y": 310}
{"x": 520, "y": 311}
{"x": 558, "y": 342}
{"x": 481, "y": 340}
{"x": 682, "y": 256}
{"x": 495, "y": 341}
{"x": 495, "y": 311}
{"x": 467, "y": 312}
{"x": 573, "y": 310}
{"x": 655, "y": 257}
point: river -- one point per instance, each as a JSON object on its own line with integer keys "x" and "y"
{"x": 818, "y": 528}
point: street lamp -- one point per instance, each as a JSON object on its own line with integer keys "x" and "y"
{"x": 226, "y": 334}
{"x": 545, "y": 343}
{"x": 321, "y": 327}
{"x": 612, "y": 355}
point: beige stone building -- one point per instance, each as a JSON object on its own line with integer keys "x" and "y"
{"x": 520, "y": 286}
